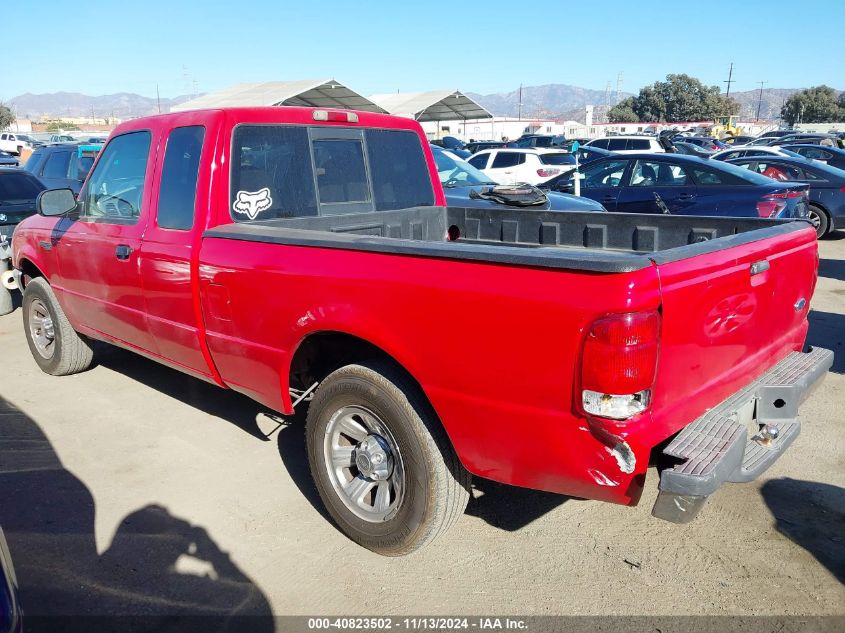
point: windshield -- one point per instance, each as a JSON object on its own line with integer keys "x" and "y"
{"x": 454, "y": 172}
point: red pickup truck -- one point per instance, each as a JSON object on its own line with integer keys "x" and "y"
{"x": 306, "y": 257}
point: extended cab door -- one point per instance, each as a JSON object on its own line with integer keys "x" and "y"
{"x": 171, "y": 238}
{"x": 98, "y": 255}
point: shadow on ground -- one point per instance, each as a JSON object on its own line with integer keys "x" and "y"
{"x": 812, "y": 515}
{"x": 160, "y": 573}
{"x": 832, "y": 269}
{"x": 827, "y": 329}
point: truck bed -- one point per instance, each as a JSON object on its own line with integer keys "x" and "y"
{"x": 599, "y": 242}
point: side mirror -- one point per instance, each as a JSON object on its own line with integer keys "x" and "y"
{"x": 565, "y": 187}
{"x": 55, "y": 202}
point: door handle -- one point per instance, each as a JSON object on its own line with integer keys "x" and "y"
{"x": 609, "y": 199}
{"x": 123, "y": 251}
{"x": 686, "y": 196}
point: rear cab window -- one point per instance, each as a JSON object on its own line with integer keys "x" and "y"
{"x": 285, "y": 171}
{"x": 178, "y": 187}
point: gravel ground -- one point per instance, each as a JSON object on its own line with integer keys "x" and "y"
{"x": 134, "y": 489}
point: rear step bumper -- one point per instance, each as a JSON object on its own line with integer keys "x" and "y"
{"x": 716, "y": 448}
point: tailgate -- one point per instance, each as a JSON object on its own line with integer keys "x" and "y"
{"x": 728, "y": 316}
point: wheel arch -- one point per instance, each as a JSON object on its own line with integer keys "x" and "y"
{"x": 321, "y": 352}
{"x": 30, "y": 270}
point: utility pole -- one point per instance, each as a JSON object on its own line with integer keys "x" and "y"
{"x": 729, "y": 81}
{"x": 158, "y": 100}
{"x": 618, "y": 87}
{"x": 760, "y": 100}
{"x": 520, "y": 102}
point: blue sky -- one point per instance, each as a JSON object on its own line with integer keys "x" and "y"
{"x": 108, "y": 46}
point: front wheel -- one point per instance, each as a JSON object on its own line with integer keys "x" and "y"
{"x": 820, "y": 220}
{"x": 56, "y": 347}
{"x": 381, "y": 462}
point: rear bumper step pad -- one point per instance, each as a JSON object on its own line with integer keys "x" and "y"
{"x": 716, "y": 448}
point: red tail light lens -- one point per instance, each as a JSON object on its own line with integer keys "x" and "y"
{"x": 547, "y": 173}
{"x": 773, "y": 203}
{"x": 332, "y": 115}
{"x": 619, "y": 364}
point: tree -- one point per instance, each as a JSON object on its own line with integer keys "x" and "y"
{"x": 7, "y": 117}
{"x": 623, "y": 112}
{"x": 814, "y": 105}
{"x": 61, "y": 126}
{"x": 679, "y": 98}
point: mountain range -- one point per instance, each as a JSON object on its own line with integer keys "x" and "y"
{"x": 551, "y": 101}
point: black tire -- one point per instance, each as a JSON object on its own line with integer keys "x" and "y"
{"x": 71, "y": 352}
{"x": 436, "y": 486}
{"x": 821, "y": 220}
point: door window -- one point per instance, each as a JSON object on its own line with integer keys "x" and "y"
{"x": 57, "y": 165}
{"x": 504, "y": 160}
{"x": 604, "y": 174}
{"x": 479, "y": 161}
{"x": 178, "y": 189}
{"x": 639, "y": 144}
{"x": 396, "y": 162}
{"x": 115, "y": 190}
{"x": 658, "y": 174}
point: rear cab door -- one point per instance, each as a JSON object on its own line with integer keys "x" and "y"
{"x": 179, "y": 211}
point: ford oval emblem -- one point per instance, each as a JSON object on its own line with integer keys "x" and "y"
{"x": 799, "y": 305}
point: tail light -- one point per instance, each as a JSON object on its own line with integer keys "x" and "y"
{"x": 547, "y": 173}
{"x": 772, "y": 204}
{"x": 619, "y": 364}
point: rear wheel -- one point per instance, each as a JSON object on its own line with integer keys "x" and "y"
{"x": 55, "y": 346}
{"x": 820, "y": 220}
{"x": 381, "y": 462}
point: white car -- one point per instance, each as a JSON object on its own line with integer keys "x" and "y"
{"x": 744, "y": 151}
{"x": 627, "y": 144}
{"x": 533, "y": 166}
{"x": 14, "y": 143}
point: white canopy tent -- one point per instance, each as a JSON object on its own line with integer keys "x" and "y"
{"x": 435, "y": 105}
{"x": 322, "y": 93}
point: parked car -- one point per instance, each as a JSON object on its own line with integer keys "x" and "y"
{"x": 11, "y": 614}
{"x": 7, "y": 160}
{"x": 763, "y": 141}
{"x": 307, "y": 258}
{"x": 826, "y": 140}
{"x": 62, "y": 164}
{"x": 776, "y": 133}
{"x": 833, "y": 156}
{"x": 567, "y": 145}
{"x": 61, "y": 138}
{"x": 707, "y": 142}
{"x": 686, "y": 185}
{"x": 587, "y": 155}
{"x": 628, "y": 144}
{"x": 466, "y": 186}
{"x": 476, "y": 146}
{"x": 454, "y": 145}
{"x": 827, "y": 185}
{"x": 737, "y": 140}
{"x": 15, "y": 143}
{"x": 742, "y": 152}
{"x": 530, "y": 141}
{"x": 690, "y": 149}
{"x": 532, "y": 166}
{"x": 18, "y": 191}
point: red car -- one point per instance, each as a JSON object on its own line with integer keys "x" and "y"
{"x": 306, "y": 257}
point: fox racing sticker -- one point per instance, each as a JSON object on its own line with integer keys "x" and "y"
{"x": 251, "y": 203}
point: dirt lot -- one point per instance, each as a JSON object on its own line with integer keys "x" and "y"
{"x": 134, "y": 489}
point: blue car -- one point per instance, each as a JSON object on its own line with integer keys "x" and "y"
{"x": 62, "y": 165}
{"x": 588, "y": 154}
{"x": 466, "y": 186}
{"x": 684, "y": 185}
{"x": 827, "y": 185}
{"x": 833, "y": 156}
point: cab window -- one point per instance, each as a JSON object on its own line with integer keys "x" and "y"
{"x": 116, "y": 187}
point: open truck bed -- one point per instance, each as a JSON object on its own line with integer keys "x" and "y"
{"x": 599, "y": 242}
